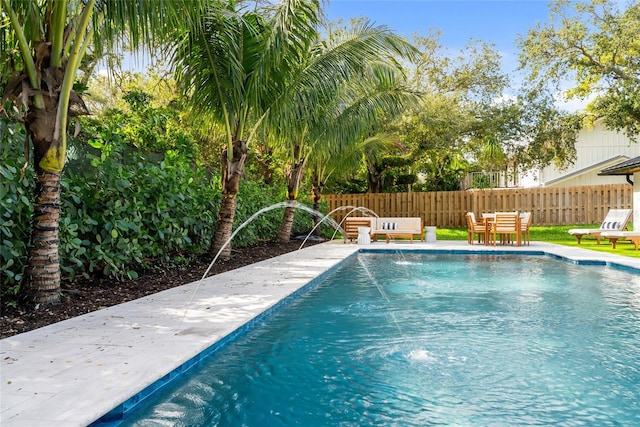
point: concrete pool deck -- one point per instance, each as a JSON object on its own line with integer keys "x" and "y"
{"x": 73, "y": 372}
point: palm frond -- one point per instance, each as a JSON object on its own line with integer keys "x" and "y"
{"x": 238, "y": 61}
{"x": 145, "y": 22}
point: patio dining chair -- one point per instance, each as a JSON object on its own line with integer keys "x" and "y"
{"x": 525, "y": 224}
{"x": 505, "y": 225}
{"x": 473, "y": 228}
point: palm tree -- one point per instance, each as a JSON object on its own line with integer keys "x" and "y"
{"x": 241, "y": 64}
{"x": 232, "y": 66}
{"x": 46, "y": 43}
{"x": 341, "y": 161}
{"x": 358, "y": 108}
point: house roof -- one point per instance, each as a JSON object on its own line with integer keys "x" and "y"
{"x": 627, "y": 167}
{"x": 590, "y": 168}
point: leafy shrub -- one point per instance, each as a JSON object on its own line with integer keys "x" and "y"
{"x": 254, "y": 197}
{"x": 121, "y": 212}
{"x": 123, "y": 209}
{"x": 15, "y": 207}
{"x": 129, "y": 211}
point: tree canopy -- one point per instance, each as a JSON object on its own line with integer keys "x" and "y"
{"x": 590, "y": 50}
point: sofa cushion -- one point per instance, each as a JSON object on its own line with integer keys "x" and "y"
{"x": 398, "y": 224}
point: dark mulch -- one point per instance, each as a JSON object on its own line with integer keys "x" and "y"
{"x": 84, "y": 296}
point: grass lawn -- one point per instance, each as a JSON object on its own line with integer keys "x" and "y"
{"x": 555, "y": 234}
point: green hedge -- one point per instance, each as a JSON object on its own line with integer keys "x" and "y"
{"x": 123, "y": 210}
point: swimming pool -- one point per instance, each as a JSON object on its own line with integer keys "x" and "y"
{"x": 429, "y": 339}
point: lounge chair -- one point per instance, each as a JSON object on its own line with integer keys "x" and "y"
{"x": 616, "y": 220}
{"x": 614, "y": 236}
{"x": 394, "y": 227}
{"x": 474, "y": 227}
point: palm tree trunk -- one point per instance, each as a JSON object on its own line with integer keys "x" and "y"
{"x": 374, "y": 177}
{"x": 284, "y": 232}
{"x": 375, "y": 184}
{"x": 43, "y": 270}
{"x": 224, "y": 226}
{"x": 294, "y": 178}
{"x": 232, "y": 171}
{"x": 41, "y": 284}
{"x": 317, "y": 186}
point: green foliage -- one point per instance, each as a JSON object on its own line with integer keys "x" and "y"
{"x": 149, "y": 129}
{"x": 121, "y": 213}
{"x": 589, "y": 48}
{"x": 621, "y": 109}
{"x": 255, "y": 196}
{"x": 15, "y": 207}
{"x": 128, "y": 211}
{"x": 406, "y": 179}
{"x": 442, "y": 173}
{"x": 481, "y": 181}
{"x": 353, "y": 186}
{"x": 122, "y": 210}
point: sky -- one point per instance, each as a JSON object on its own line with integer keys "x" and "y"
{"x": 497, "y": 22}
{"x": 491, "y": 21}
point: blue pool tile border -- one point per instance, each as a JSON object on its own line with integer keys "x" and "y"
{"x": 594, "y": 262}
{"x": 118, "y": 414}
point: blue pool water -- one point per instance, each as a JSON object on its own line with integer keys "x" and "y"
{"x": 428, "y": 340}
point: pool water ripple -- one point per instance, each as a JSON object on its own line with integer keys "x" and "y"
{"x": 438, "y": 340}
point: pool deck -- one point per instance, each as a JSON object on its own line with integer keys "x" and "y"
{"x": 73, "y": 372}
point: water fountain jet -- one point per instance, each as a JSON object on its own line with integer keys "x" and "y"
{"x": 339, "y": 228}
{"x": 244, "y": 224}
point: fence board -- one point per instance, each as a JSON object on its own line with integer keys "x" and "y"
{"x": 548, "y": 206}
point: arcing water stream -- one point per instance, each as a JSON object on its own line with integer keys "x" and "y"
{"x": 297, "y": 205}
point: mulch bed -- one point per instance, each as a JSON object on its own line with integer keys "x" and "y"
{"x": 84, "y": 296}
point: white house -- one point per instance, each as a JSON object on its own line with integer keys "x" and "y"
{"x": 597, "y": 148}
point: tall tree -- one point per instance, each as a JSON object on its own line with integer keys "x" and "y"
{"x": 232, "y": 65}
{"x": 591, "y": 47}
{"x": 46, "y": 43}
{"x": 343, "y": 113}
{"x": 466, "y": 122}
{"x": 457, "y": 111}
{"x": 239, "y": 64}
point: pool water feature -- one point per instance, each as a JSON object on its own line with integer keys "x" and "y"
{"x": 484, "y": 340}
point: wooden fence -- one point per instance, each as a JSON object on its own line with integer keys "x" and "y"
{"x": 549, "y": 206}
